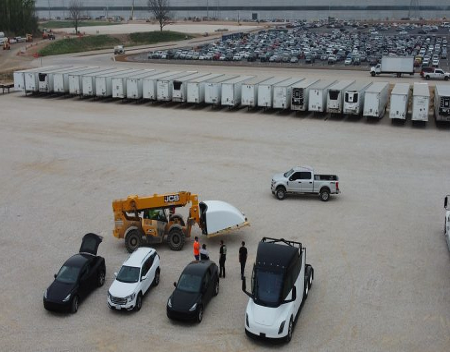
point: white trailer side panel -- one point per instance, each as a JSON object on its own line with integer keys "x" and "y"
{"x": 149, "y": 84}
{"x": 265, "y": 92}
{"x": 135, "y": 84}
{"x": 318, "y": 95}
{"x": 213, "y": 89}
{"x": 249, "y": 91}
{"x": 354, "y": 98}
{"x": 76, "y": 79}
{"x": 282, "y": 93}
{"x": 335, "y": 96}
{"x": 119, "y": 84}
{"x": 300, "y": 94}
{"x": 398, "y": 107}
{"x": 421, "y": 102}
{"x": 179, "y": 86}
{"x": 61, "y": 79}
{"x": 164, "y": 85}
{"x": 231, "y": 91}
{"x": 195, "y": 89}
{"x": 103, "y": 83}
{"x": 442, "y": 103}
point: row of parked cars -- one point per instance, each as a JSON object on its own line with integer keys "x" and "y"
{"x": 293, "y": 44}
{"x": 85, "y": 271}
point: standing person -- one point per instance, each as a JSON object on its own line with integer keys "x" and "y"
{"x": 196, "y": 248}
{"x": 204, "y": 255}
{"x": 242, "y": 258}
{"x": 223, "y": 257}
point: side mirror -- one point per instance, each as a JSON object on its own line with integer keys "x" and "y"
{"x": 55, "y": 276}
{"x": 294, "y": 293}
{"x": 445, "y": 202}
{"x": 175, "y": 284}
{"x": 115, "y": 274}
{"x": 244, "y": 287}
{"x": 143, "y": 278}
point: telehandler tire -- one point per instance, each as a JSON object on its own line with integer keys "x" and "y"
{"x": 132, "y": 240}
{"x": 176, "y": 239}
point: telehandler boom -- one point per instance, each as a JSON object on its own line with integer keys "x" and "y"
{"x": 152, "y": 219}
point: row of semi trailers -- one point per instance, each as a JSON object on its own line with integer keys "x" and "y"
{"x": 349, "y": 97}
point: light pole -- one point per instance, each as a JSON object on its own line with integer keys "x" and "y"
{"x": 132, "y": 9}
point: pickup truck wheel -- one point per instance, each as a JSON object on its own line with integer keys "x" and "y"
{"x": 372, "y": 74}
{"x": 157, "y": 277}
{"x": 289, "y": 332}
{"x": 176, "y": 239}
{"x": 306, "y": 290}
{"x": 446, "y": 78}
{"x": 138, "y": 306}
{"x": 427, "y": 77}
{"x": 324, "y": 195}
{"x": 280, "y": 193}
{"x": 132, "y": 241}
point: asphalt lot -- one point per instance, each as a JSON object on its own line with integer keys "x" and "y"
{"x": 380, "y": 258}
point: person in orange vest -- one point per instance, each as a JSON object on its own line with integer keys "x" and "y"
{"x": 196, "y": 248}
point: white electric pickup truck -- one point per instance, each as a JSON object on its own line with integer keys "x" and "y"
{"x": 447, "y": 221}
{"x": 302, "y": 180}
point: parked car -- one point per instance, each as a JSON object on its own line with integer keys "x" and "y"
{"x": 77, "y": 278}
{"x": 139, "y": 272}
{"x": 198, "y": 283}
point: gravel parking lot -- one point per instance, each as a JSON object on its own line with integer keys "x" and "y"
{"x": 380, "y": 259}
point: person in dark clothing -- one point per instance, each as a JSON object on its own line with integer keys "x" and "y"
{"x": 242, "y": 258}
{"x": 223, "y": 257}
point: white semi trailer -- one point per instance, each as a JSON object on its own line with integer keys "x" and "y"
{"x": 135, "y": 84}
{"x": 232, "y": 91}
{"x": 421, "y": 102}
{"x": 398, "y": 107}
{"x": 19, "y": 76}
{"x": 442, "y": 103}
{"x": 196, "y": 88}
{"x": 282, "y": 93}
{"x": 119, "y": 83}
{"x": 300, "y": 94}
{"x": 47, "y": 78}
{"x": 265, "y": 91}
{"x": 76, "y": 79}
{"x": 318, "y": 95}
{"x": 103, "y": 82}
{"x": 335, "y": 96}
{"x": 61, "y": 79}
{"x": 88, "y": 81}
{"x": 149, "y": 84}
{"x": 354, "y": 98}
{"x": 179, "y": 86}
{"x": 213, "y": 89}
{"x": 376, "y": 99}
{"x": 249, "y": 92}
{"x": 164, "y": 85}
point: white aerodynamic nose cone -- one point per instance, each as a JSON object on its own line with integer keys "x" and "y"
{"x": 222, "y": 216}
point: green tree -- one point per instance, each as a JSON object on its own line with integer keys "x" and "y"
{"x": 18, "y": 16}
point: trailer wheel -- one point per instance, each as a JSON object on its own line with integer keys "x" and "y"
{"x": 176, "y": 239}
{"x": 280, "y": 193}
{"x": 290, "y": 328}
{"x": 132, "y": 240}
{"x": 325, "y": 194}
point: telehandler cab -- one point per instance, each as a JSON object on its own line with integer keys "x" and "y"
{"x": 152, "y": 219}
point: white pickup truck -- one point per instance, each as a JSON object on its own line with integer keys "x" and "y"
{"x": 447, "y": 221}
{"x": 435, "y": 73}
{"x": 302, "y": 180}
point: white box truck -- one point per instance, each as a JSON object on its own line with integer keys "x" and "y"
{"x": 164, "y": 85}
{"x": 442, "y": 102}
{"x": 149, "y": 84}
{"x": 135, "y": 84}
{"x": 179, "y": 86}
{"x": 281, "y": 281}
{"x": 335, "y": 96}
{"x": 265, "y": 91}
{"x": 282, "y": 93}
{"x": 318, "y": 95}
{"x": 61, "y": 79}
{"x": 196, "y": 88}
{"x": 232, "y": 91}
{"x": 103, "y": 82}
{"x": 300, "y": 94}
{"x": 76, "y": 79}
{"x": 119, "y": 83}
{"x": 398, "y": 107}
{"x": 421, "y": 102}
{"x": 88, "y": 81}
{"x": 397, "y": 65}
{"x": 213, "y": 89}
{"x": 354, "y": 98}
{"x": 376, "y": 99}
{"x": 249, "y": 91}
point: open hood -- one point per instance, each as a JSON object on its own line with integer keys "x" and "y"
{"x": 220, "y": 216}
{"x": 90, "y": 243}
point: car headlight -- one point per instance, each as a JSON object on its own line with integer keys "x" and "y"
{"x": 194, "y": 307}
{"x": 169, "y": 303}
{"x": 130, "y": 297}
{"x": 67, "y": 298}
{"x": 45, "y": 294}
{"x": 280, "y": 330}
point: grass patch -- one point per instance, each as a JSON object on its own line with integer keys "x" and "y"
{"x": 141, "y": 38}
{"x": 69, "y": 24}
{"x": 77, "y": 45}
{"x": 97, "y": 42}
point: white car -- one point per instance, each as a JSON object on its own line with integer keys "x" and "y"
{"x": 140, "y": 271}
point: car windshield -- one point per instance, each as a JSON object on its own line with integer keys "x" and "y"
{"x": 128, "y": 274}
{"x": 189, "y": 283}
{"x": 68, "y": 274}
{"x": 267, "y": 287}
{"x": 288, "y": 173}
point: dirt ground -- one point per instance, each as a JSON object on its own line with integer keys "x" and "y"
{"x": 378, "y": 250}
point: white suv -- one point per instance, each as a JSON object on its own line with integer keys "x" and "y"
{"x": 137, "y": 274}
